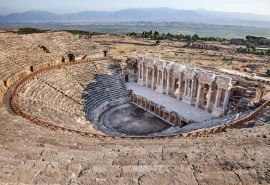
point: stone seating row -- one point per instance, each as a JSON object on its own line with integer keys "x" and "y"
{"x": 38, "y": 90}
{"x": 104, "y": 67}
{"x": 54, "y": 116}
{"x": 101, "y": 92}
{"x": 107, "y": 88}
{"x": 63, "y": 105}
{"x": 83, "y": 75}
{"x": 27, "y": 51}
{"x": 16, "y": 62}
{"x": 60, "y": 80}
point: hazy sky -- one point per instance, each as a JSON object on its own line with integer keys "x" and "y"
{"x": 67, "y": 6}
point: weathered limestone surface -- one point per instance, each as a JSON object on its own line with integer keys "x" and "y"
{"x": 34, "y": 155}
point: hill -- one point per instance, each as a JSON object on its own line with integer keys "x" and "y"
{"x": 144, "y": 14}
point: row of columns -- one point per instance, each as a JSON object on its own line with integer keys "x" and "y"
{"x": 141, "y": 76}
{"x": 160, "y": 81}
{"x": 226, "y": 98}
{"x": 217, "y": 100}
{"x": 171, "y": 117}
{"x": 188, "y": 92}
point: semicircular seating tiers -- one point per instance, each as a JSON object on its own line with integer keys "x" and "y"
{"x": 20, "y": 52}
{"x": 70, "y": 95}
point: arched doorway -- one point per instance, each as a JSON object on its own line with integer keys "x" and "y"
{"x": 126, "y": 78}
{"x": 205, "y": 91}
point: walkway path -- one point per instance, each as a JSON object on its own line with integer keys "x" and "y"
{"x": 245, "y": 75}
{"x": 190, "y": 113}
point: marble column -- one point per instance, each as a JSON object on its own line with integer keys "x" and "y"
{"x": 168, "y": 82}
{"x": 142, "y": 74}
{"x": 158, "y": 77}
{"x": 188, "y": 88}
{"x": 198, "y": 96}
{"x": 218, "y": 97}
{"x": 162, "y": 79}
{"x": 179, "y": 86}
{"x": 153, "y": 78}
{"x": 139, "y": 70}
{"x": 192, "y": 89}
{"x": 195, "y": 88}
{"x": 146, "y": 83}
{"x": 186, "y": 85}
{"x": 209, "y": 98}
{"x": 226, "y": 99}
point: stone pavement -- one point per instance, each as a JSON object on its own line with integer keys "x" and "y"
{"x": 183, "y": 109}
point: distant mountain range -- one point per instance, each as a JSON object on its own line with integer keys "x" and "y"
{"x": 144, "y": 14}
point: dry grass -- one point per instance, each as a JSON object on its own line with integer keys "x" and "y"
{"x": 173, "y": 51}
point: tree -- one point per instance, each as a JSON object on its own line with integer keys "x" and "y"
{"x": 179, "y": 37}
{"x": 253, "y": 48}
{"x": 168, "y": 36}
{"x": 156, "y": 35}
{"x": 163, "y": 35}
{"x": 195, "y": 37}
{"x": 188, "y": 37}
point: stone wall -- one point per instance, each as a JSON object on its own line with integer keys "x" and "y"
{"x": 161, "y": 112}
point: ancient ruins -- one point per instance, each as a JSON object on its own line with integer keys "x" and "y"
{"x": 74, "y": 112}
{"x": 204, "y": 89}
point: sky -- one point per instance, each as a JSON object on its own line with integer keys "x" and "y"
{"x": 72, "y": 6}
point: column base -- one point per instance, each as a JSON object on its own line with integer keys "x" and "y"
{"x": 189, "y": 100}
{"x": 132, "y": 79}
{"x": 160, "y": 89}
{"x": 148, "y": 84}
{"x": 141, "y": 82}
{"x": 217, "y": 111}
